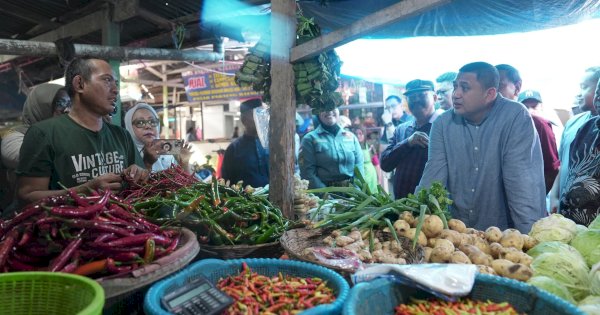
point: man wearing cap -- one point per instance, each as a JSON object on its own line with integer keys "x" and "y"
{"x": 533, "y": 100}
{"x": 407, "y": 152}
{"x": 486, "y": 152}
{"x": 246, "y": 159}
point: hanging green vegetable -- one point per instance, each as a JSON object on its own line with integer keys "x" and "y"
{"x": 316, "y": 79}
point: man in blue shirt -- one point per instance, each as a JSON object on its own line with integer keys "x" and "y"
{"x": 245, "y": 158}
{"x": 487, "y": 153}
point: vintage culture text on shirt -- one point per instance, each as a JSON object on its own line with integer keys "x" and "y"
{"x": 97, "y": 164}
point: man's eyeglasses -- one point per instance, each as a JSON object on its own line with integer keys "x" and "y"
{"x": 143, "y": 123}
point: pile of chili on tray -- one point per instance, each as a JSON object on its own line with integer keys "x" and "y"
{"x": 158, "y": 184}
{"x": 259, "y": 294}
{"x": 88, "y": 235}
{"x": 219, "y": 214}
{"x": 461, "y": 307}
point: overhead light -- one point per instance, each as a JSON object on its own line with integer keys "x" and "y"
{"x": 151, "y": 96}
{"x": 145, "y": 88}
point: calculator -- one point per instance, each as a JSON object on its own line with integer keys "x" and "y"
{"x": 196, "y": 297}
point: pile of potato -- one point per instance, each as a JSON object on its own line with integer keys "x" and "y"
{"x": 493, "y": 251}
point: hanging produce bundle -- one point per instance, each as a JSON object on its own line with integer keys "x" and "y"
{"x": 219, "y": 214}
{"x": 316, "y": 79}
{"x": 94, "y": 235}
{"x": 256, "y": 69}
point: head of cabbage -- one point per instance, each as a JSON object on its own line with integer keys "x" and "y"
{"x": 553, "y": 228}
{"x": 553, "y": 247}
{"x": 588, "y": 244}
{"x": 552, "y": 286}
{"x": 568, "y": 269}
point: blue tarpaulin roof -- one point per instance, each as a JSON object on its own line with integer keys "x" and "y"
{"x": 459, "y": 17}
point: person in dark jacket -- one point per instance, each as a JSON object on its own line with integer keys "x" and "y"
{"x": 407, "y": 152}
{"x": 246, "y": 159}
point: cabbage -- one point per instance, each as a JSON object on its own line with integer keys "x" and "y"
{"x": 552, "y": 286}
{"x": 553, "y": 247}
{"x": 590, "y": 299}
{"x": 590, "y": 309}
{"x": 581, "y": 228}
{"x": 595, "y": 224}
{"x": 588, "y": 244}
{"x": 553, "y": 228}
{"x": 567, "y": 268}
{"x": 595, "y": 280}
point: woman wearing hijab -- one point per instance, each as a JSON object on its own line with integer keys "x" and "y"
{"x": 44, "y": 101}
{"x": 330, "y": 154}
{"x": 144, "y": 126}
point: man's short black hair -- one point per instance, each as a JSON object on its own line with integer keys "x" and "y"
{"x": 250, "y": 104}
{"x": 486, "y": 74}
{"x": 393, "y": 97}
{"x": 447, "y": 77}
{"x": 78, "y": 66}
{"x": 512, "y": 73}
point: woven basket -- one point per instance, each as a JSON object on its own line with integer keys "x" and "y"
{"x": 380, "y": 296}
{"x": 268, "y": 250}
{"x": 297, "y": 240}
{"x": 125, "y": 294}
{"x": 49, "y": 293}
{"x": 215, "y": 269}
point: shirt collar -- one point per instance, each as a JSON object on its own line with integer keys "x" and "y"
{"x": 320, "y": 130}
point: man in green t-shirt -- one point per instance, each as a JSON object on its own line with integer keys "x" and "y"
{"x": 79, "y": 150}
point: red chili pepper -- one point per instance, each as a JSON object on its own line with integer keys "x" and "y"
{"x": 140, "y": 239}
{"x": 26, "y": 237}
{"x": 71, "y": 267}
{"x": 27, "y": 213}
{"x": 6, "y": 246}
{"x": 98, "y": 226}
{"x": 20, "y": 266}
{"x": 64, "y": 257}
{"x": 91, "y": 268}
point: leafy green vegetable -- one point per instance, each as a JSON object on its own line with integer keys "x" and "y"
{"x": 554, "y": 228}
{"x": 568, "y": 269}
{"x": 588, "y": 244}
{"x": 552, "y": 286}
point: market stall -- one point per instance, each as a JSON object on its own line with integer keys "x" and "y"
{"x": 137, "y": 239}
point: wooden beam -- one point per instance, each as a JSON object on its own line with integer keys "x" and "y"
{"x": 155, "y": 72}
{"x": 170, "y": 83}
{"x": 155, "y": 19}
{"x": 84, "y": 25}
{"x": 370, "y": 23}
{"x": 44, "y": 49}
{"x": 26, "y": 15}
{"x": 283, "y": 106}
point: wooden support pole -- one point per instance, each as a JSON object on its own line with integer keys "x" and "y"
{"x": 111, "y": 36}
{"x": 283, "y": 106}
{"x": 165, "y": 99}
{"x": 370, "y": 23}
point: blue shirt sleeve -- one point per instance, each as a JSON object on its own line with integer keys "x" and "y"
{"x": 523, "y": 173}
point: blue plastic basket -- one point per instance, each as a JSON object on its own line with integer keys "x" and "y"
{"x": 380, "y": 296}
{"x": 214, "y": 269}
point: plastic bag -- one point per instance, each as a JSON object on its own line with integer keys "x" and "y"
{"x": 446, "y": 281}
{"x": 262, "y": 115}
{"x": 337, "y": 257}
